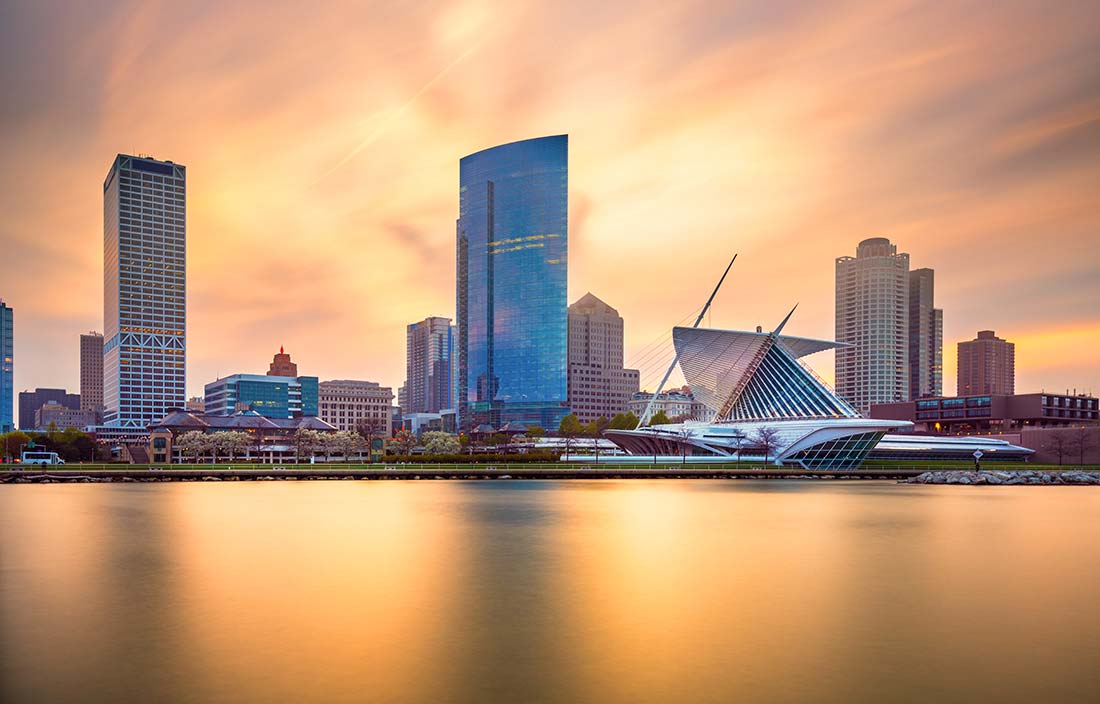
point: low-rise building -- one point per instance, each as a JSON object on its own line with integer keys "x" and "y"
{"x": 62, "y": 417}
{"x": 30, "y": 402}
{"x": 992, "y": 413}
{"x": 270, "y": 439}
{"x": 349, "y": 404}
{"x": 677, "y": 404}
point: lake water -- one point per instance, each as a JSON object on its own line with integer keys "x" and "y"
{"x": 580, "y": 591}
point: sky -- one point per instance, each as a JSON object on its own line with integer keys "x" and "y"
{"x": 322, "y": 143}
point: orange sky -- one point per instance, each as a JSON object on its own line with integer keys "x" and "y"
{"x": 322, "y": 145}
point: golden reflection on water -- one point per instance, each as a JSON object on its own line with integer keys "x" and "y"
{"x": 603, "y": 591}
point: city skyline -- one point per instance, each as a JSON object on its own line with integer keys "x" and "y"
{"x": 991, "y": 190}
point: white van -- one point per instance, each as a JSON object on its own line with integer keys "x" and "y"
{"x": 42, "y": 458}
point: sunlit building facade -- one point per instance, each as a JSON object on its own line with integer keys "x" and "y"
{"x": 144, "y": 290}
{"x": 872, "y": 320}
{"x": 599, "y": 386}
{"x": 986, "y": 365}
{"x": 511, "y": 256}
{"x": 429, "y": 347}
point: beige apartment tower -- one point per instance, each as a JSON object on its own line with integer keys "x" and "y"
{"x": 598, "y": 383}
{"x": 872, "y": 321}
{"x": 987, "y": 365}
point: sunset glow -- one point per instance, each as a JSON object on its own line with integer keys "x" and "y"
{"x": 322, "y": 145}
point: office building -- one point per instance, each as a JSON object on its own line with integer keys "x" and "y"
{"x": 144, "y": 290}
{"x": 511, "y": 260}
{"x": 30, "y": 402}
{"x": 282, "y": 366}
{"x": 993, "y": 413}
{"x": 429, "y": 347}
{"x": 62, "y": 417}
{"x": 872, "y": 325}
{"x": 91, "y": 374}
{"x": 986, "y": 365}
{"x": 7, "y": 379}
{"x": 269, "y": 396}
{"x": 925, "y": 336}
{"x": 362, "y": 406}
{"x": 195, "y": 404}
{"x": 599, "y": 386}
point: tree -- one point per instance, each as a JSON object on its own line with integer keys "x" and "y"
{"x": 569, "y": 428}
{"x": 12, "y": 442}
{"x": 659, "y": 418}
{"x": 350, "y": 443}
{"x": 436, "y": 442}
{"x": 1060, "y": 444}
{"x": 404, "y": 440}
{"x": 624, "y": 421}
{"x": 306, "y": 441}
{"x": 602, "y": 424}
{"x": 535, "y": 431}
{"x": 684, "y": 434}
{"x": 191, "y": 444}
{"x": 1082, "y": 442}
{"x": 738, "y": 437}
{"x": 767, "y": 437}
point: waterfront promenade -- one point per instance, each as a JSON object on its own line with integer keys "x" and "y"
{"x": 398, "y": 471}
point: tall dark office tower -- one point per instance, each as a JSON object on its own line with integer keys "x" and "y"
{"x": 925, "y": 337}
{"x": 144, "y": 290}
{"x": 512, "y": 237}
{"x": 429, "y": 346}
{"x": 91, "y": 373}
{"x": 7, "y": 382}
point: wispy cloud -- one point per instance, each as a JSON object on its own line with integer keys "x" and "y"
{"x": 322, "y": 146}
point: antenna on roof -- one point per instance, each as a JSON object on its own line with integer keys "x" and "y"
{"x": 676, "y": 358}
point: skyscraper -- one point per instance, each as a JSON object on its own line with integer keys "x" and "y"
{"x": 91, "y": 373}
{"x": 144, "y": 290}
{"x": 429, "y": 346}
{"x": 872, "y": 320}
{"x": 987, "y": 365}
{"x": 598, "y": 384}
{"x": 925, "y": 337}
{"x": 7, "y": 357}
{"x": 512, "y": 236}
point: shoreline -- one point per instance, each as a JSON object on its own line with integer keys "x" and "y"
{"x": 902, "y": 475}
{"x": 421, "y": 473}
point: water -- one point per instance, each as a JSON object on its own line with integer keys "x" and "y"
{"x": 601, "y": 591}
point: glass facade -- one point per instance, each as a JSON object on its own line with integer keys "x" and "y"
{"x": 7, "y": 362}
{"x": 842, "y": 453}
{"x": 144, "y": 290}
{"x": 269, "y": 396}
{"x": 512, "y": 247}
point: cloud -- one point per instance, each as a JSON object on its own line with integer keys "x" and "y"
{"x": 322, "y": 146}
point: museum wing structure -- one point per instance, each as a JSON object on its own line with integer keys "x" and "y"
{"x": 770, "y": 407}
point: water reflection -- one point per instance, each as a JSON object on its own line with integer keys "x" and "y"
{"x": 626, "y": 591}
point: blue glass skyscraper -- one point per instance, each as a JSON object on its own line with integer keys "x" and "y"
{"x": 7, "y": 354}
{"x": 512, "y": 247}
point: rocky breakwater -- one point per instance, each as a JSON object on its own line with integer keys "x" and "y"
{"x": 1008, "y": 477}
